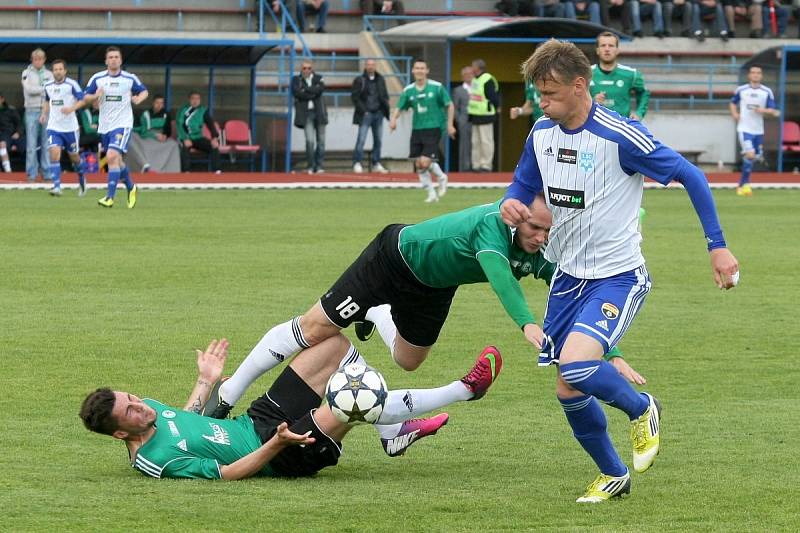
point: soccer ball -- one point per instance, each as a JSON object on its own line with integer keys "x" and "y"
{"x": 356, "y": 394}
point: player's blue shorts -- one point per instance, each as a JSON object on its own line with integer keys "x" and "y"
{"x": 116, "y": 140}
{"x": 751, "y": 142}
{"x": 67, "y": 140}
{"x": 601, "y": 308}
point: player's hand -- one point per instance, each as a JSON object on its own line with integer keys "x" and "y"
{"x": 211, "y": 361}
{"x": 724, "y": 265}
{"x": 627, "y": 371}
{"x": 214, "y": 143}
{"x": 392, "y": 125}
{"x": 187, "y": 143}
{"x": 451, "y": 131}
{"x": 514, "y": 112}
{"x": 42, "y": 119}
{"x": 600, "y": 97}
{"x": 634, "y": 116}
{"x": 15, "y": 135}
{"x": 66, "y": 110}
{"x": 99, "y": 93}
{"x": 288, "y": 438}
{"x": 534, "y": 335}
{"x": 514, "y": 212}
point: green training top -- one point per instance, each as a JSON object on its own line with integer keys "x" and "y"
{"x": 618, "y": 86}
{"x": 429, "y": 105}
{"x": 189, "y": 445}
{"x": 474, "y": 246}
{"x": 533, "y": 96}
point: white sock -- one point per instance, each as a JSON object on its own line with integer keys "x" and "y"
{"x": 402, "y": 405}
{"x": 425, "y": 179}
{"x": 6, "y": 166}
{"x": 280, "y": 343}
{"x": 437, "y": 170}
{"x": 352, "y": 356}
{"x": 381, "y": 316}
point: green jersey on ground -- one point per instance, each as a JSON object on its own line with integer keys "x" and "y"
{"x": 618, "y": 85}
{"x": 474, "y": 246}
{"x": 429, "y": 105}
{"x": 189, "y": 445}
{"x": 532, "y": 95}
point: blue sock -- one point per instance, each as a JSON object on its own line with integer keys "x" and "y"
{"x": 80, "y": 168}
{"x": 126, "y": 178}
{"x": 747, "y": 168}
{"x": 55, "y": 172}
{"x": 588, "y": 421}
{"x": 113, "y": 178}
{"x": 601, "y": 380}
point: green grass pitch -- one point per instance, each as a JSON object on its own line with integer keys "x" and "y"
{"x": 116, "y": 297}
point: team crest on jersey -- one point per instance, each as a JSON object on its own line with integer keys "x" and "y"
{"x": 620, "y": 83}
{"x": 610, "y": 311}
{"x": 168, "y": 413}
{"x": 586, "y": 161}
{"x": 118, "y": 137}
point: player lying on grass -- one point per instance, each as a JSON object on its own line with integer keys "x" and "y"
{"x": 284, "y": 433}
{"x": 416, "y": 270}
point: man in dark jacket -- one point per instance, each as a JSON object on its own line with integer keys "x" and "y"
{"x": 189, "y": 122}
{"x": 9, "y": 131}
{"x": 310, "y": 113}
{"x": 371, "y": 102}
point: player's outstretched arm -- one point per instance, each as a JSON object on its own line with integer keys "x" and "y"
{"x": 252, "y": 463}
{"x": 210, "y": 364}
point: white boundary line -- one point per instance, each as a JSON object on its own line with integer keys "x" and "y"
{"x": 351, "y": 185}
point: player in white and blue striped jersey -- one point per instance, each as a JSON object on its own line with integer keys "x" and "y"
{"x": 117, "y": 89}
{"x": 58, "y": 112}
{"x": 748, "y": 106}
{"x": 588, "y": 161}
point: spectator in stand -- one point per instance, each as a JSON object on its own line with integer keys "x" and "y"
{"x": 319, "y": 7}
{"x": 189, "y": 121}
{"x": 9, "y": 131}
{"x": 151, "y": 147}
{"x": 373, "y": 7}
{"x": 701, "y": 9}
{"x": 613, "y": 84}
{"x": 34, "y": 78}
{"x": 371, "y": 103}
{"x": 484, "y": 103}
{"x": 89, "y": 121}
{"x": 582, "y": 8}
{"x": 460, "y": 97}
{"x": 796, "y": 13}
{"x": 515, "y": 8}
{"x": 749, "y": 9}
{"x": 310, "y": 114}
{"x": 550, "y": 9}
{"x": 643, "y": 9}
{"x": 616, "y": 9}
{"x": 678, "y": 9}
{"x": 781, "y": 14}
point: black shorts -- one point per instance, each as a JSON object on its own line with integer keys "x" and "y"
{"x": 425, "y": 143}
{"x": 292, "y": 401}
{"x": 380, "y": 276}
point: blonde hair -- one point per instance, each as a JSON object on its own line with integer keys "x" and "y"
{"x": 557, "y": 61}
{"x": 38, "y": 53}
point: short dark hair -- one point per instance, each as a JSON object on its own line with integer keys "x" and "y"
{"x": 559, "y": 61}
{"x": 751, "y": 67}
{"x": 113, "y": 49}
{"x": 193, "y": 92}
{"x": 58, "y": 61}
{"x": 157, "y": 96}
{"x": 96, "y": 411}
{"x": 419, "y": 60}
{"x": 607, "y": 34}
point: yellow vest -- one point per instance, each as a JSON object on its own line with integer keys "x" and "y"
{"x": 478, "y": 103}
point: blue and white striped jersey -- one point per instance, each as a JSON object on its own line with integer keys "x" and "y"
{"x": 749, "y": 99}
{"x": 592, "y": 181}
{"x": 115, "y": 105}
{"x": 60, "y": 95}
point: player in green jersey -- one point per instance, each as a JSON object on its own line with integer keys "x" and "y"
{"x": 167, "y": 442}
{"x": 416, "y": 270}
{"x": 530, "y": 107}
{"x": 433, "y": 112}
{"x": 613, "y": 84}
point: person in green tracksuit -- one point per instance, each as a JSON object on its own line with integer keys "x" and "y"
{"x": 189, "y": 122}
{"x": 613, "y": 84}
{"x": 531, "y": 106}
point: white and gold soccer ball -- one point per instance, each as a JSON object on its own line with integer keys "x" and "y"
{"x": 356, "y": 394}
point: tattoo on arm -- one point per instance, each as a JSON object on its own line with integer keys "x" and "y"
{"x": 196, "y": 407}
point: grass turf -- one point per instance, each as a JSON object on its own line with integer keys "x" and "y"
{"x": 116, "y": 297}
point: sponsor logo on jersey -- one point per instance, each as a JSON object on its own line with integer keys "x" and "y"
{"x": 603, "y": 324}
{"x": 279, "y": 356}
{"x": 610, "y": 311}
{"x": 167, "y": 413}
{"x": 606, "y": 82}
{"x": 566, "y": 198}
{"x": 173, "y": 429}
{"x": 400, "y": 443}
{"x": 568, "y": 156}
{"x": 586, "y": 161}
{"x": 220, "y": 435}
{"x": 113, "y": 84}
{"x": 113, "y": 98}
{"x": 409, "y": 401}
{"x": 57, "y": 102}
{"x": 549, "y": 151}
{"x": 182, "y": 445}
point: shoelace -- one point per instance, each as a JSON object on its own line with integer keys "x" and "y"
{"x": 595, "y": 485}
{"x": 638, "y": 434}
{"x": 477, "y": 373}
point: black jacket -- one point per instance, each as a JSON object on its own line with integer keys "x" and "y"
{"x": 9, "y": 120}
{"x": 302, "y": 94}
{"x": 359, "y": 96}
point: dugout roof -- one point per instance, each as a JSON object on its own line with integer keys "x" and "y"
{"x": 141, "y": 48}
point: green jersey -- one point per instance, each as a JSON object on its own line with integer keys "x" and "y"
{"x": 473, "y": 246}
{"x": 429, "y": 104}
{"x": 188, "y": 445}
{"x": 532, "y": 95}
{"x": 618, "y": 85}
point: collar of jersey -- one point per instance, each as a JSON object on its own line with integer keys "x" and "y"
{"x": 582, "y": 126}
